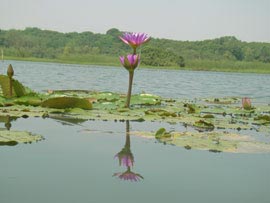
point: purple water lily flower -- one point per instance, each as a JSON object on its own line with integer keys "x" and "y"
{"x": 129, "y": 175}
{"x": 246, "y": 103}
{"x": 130, "y": 62}
{"x": 134, "y": 39}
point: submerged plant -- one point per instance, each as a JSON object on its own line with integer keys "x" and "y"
{"x": 131, "y": 61}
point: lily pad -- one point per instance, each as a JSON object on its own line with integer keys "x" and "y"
{"x": 214, "y": 141}
{"x": 67, "y": 102}
{"x": 162, "y": 133}
{"x": 263, "y": 117}
{"x": 29, "y": 101}
{"x": 204, "y": 125}
{"x": 145, "y": 99}
{"x": 15, "y": 137}
{"x": 223, "y": 100}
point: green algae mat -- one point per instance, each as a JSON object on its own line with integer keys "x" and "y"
{"x": 217, "y": 124}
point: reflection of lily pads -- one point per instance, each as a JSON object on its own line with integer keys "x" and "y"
{"x": 15, "y": 137}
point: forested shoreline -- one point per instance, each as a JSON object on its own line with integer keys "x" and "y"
{"x": 222, "y": 54}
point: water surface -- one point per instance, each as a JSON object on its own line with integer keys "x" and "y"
{"x": 75, "y": 162}
{"x": 166, "y": 83}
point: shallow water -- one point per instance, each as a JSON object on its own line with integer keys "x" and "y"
{"x": 75, "y": 162}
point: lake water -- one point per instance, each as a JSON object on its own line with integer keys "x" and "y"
{"x": 76, "y": 161}
{"x": 166, "y": 83}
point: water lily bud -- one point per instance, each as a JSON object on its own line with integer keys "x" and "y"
{"x": 130, "y": 62}
{"x": 246, "y": 103}
{"x": 10, "y": 71}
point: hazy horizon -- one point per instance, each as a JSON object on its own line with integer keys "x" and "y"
{"x": 183, "y": 20}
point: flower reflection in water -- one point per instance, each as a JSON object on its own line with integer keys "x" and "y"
{"x": 126, "y": 159}
{"x": 129, "y": 175}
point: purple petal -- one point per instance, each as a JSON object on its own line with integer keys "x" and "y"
{"x": 122, "y": 60}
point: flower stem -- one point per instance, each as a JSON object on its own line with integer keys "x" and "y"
{"x": 131, "y": 74}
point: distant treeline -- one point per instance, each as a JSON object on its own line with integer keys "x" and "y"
{"x": 37, "y": 43}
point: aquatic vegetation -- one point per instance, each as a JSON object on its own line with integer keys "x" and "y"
{"x": 214, "y": 141}
{"x": 223, "y": 100}
{"x": 203, "y": 116}
{"x": 11, "y": 138}
{"x": 162, "y": 133}
{"x": 246, "y": 103}
{"x": 10, "y": 73}
{"x": 263, "y": 117}
{"x": 131, "y": 61}
{"x": 67, "y": 102}
{"x": 201, "y": 124}
{"x": 17, "y": 89}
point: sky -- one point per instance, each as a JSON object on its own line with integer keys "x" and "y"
{"x": 192, "y": 20}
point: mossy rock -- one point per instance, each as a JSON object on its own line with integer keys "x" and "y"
{"x": 18, "y": 89}
{"x": 67, "y": 102}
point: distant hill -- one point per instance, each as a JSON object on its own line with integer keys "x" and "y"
{"x": 45, "y": 44}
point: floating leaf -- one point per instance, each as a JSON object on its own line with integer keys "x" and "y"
{"x": 67, "y": 102}
{"x": 15, "y": 137}
{"x": 214, "y": 141}
{"x": 204, "y": 125}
